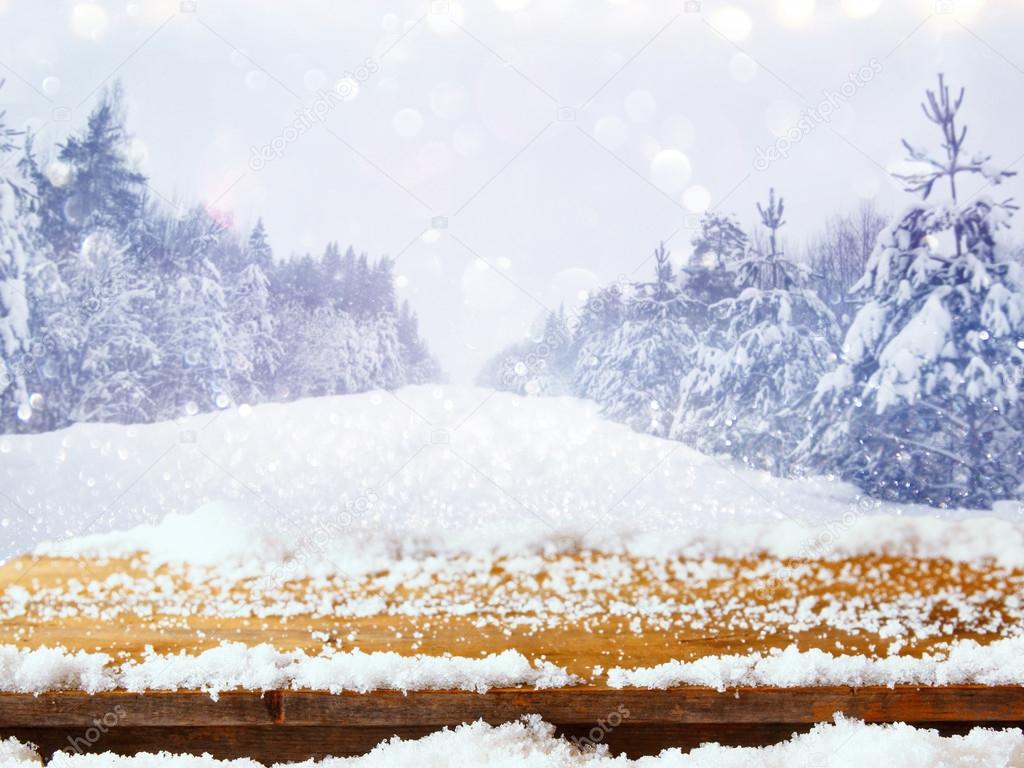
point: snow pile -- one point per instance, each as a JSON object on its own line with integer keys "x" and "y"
{"x": 1000, "y": 662}
{"x": 230, "y": 537}
{"x": 234, "y": 666}
{"x": 53, "y": 669}
{"x": 237, "y": 666}
{"x": 14, "y": 754}
{"x": 216, "y": 534}
{"x": 433, "y": 464}
{"x": 532, "y": 744}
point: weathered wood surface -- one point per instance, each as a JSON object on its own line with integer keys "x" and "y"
{"x": 120, "y": 607}
{"x": 684, "y": 705}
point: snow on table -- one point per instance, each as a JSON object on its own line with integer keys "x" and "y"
{"x": 548, "y": 616}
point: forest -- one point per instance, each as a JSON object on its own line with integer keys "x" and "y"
{"x": 119, "y": 307}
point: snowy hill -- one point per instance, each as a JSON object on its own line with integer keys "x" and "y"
{"x": 443, "y": 463}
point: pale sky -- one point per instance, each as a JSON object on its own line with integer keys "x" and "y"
{"x": 560, "y": 139}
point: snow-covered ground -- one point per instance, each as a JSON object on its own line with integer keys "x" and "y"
{"x": 532, "y": 744}
{"x": 448, "y": 464}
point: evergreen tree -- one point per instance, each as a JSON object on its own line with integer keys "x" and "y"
{"x": 635, "y": 374}
{"x": 721, "y": 241}
{"x": 254, "y": 349}
{"x": 419, "y": 365}
{"x": 15, "y": 248}
{"x": 192, "y": 323}
{"x": 117, "y": 360}
{"x": 926, "y": 405}
{"x": 92, "y": 184}
{"x": 541, "y": 365}
{"x": 760, "y": 361}
{"x": 258, "y": 250}
{"x": 113, "y": 309}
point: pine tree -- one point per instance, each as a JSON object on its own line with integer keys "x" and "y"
{"x": 258, "y": 250}
{"x": 117, "y": 361}
{"x": 94, "y": 185}
{"x": 254, "y": 350}
{"x": 710, "y": 276}
{"x": 379, "y": 362}
{"x": 541, "y": 365}
{"x": 15, "y": 247}
{"x": 192, "y": 324}
{"x": 721, "y": 241}
{"x": 419, "y": 365}
{"x": 635, "y": 374}
{"x": 770, "y": 271}
{"x": 927, "y": 406}
{"x": 759, "y": 361}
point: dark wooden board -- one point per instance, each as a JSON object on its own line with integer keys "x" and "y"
{"x": 685, "y": 705}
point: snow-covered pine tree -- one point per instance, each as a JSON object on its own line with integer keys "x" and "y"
{"x": 419, "y": 365}
{"x": 15, "y": 247}
{"x": 927, "y": 403}
{"x": 759, "y": 361}
{"x": 192, "y": 323}
{"x": 254, "y": 350}
{"x": 710, "y": 276}
{"x": 634, "y": 375}
{"x": 117, "y": 361}
{"x": 258, "y": 250}
{"x": 721, "y": 241}
{"x": 330, "y": 266}
{"x": 92, "y": 184}
{"x": 600, "y": 317}
{"x": 332, "y": 353}
{"x": 379, "y": 361}
{"x": 540, "y": 365}
{"x": 55, "y": 322}
{"x": 321, "y": 346}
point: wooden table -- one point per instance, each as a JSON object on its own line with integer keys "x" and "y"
{"x": 585, "y": 611}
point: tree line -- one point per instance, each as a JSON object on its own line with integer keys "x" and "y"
{"x": 114, "y": 307}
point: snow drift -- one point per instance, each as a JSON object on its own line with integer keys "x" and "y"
{"x": 436, "y": 468}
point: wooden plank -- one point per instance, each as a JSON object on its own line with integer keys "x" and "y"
{"x": 72, "y": 709}
{"x": 680, "y": 705}
{"x": 434, "y": 709}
